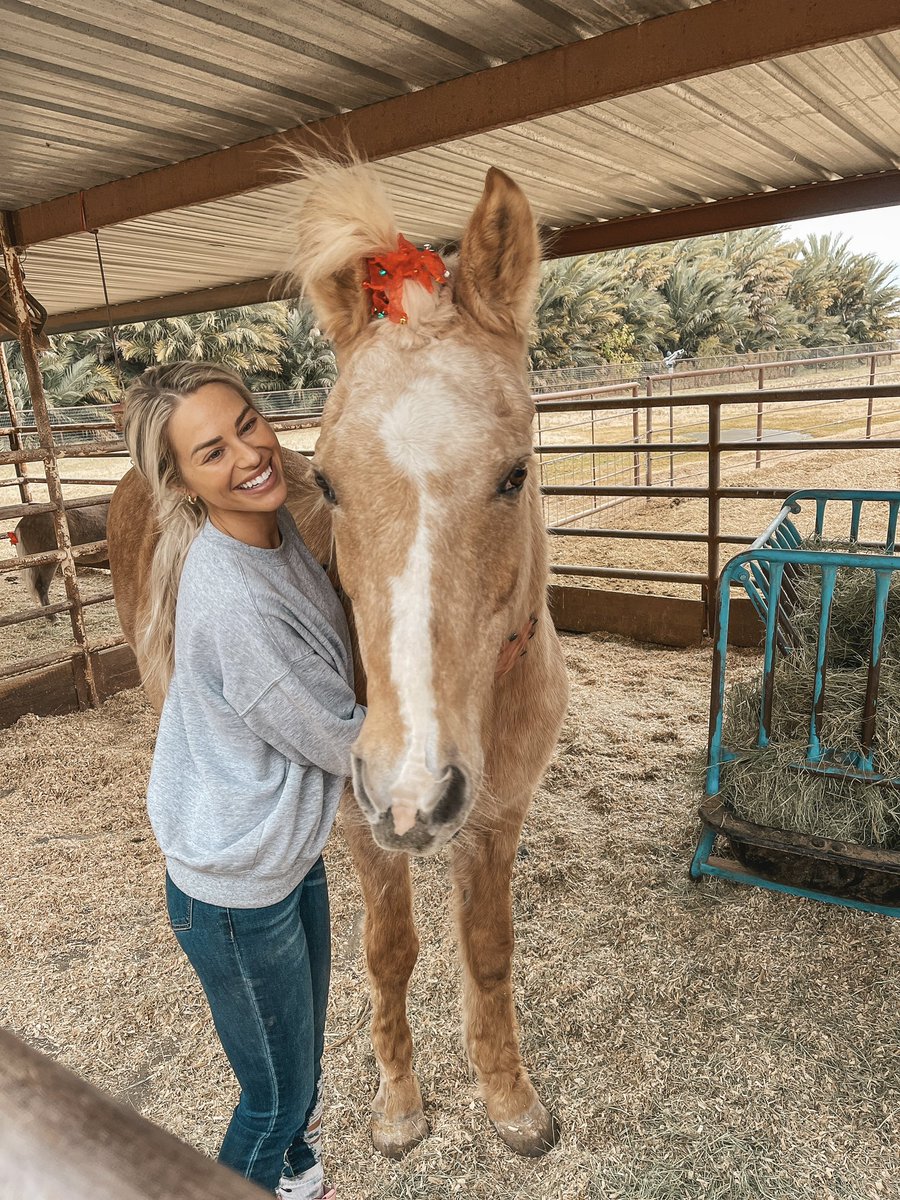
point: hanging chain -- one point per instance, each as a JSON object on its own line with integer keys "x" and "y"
{"x": 109, "y": 324}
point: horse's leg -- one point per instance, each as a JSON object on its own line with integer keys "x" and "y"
{"x": 391, "y": 948}
{"x": 41, "y": 578}
{"x": 482, "y": 870}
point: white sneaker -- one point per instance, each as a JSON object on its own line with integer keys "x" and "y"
{"x": 308, "y": 1186}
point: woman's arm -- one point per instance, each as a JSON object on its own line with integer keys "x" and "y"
{"x": 309, "y": 714}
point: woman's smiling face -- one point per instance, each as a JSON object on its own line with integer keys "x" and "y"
{"x": 227, "y": 454}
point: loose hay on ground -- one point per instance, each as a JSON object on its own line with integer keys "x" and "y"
{"x": 696, "y": 1041}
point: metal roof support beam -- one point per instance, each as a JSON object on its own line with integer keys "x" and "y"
{"x": 856, "y": 194}
{"x": 720, "y": 216}
{"x": 665, "y": 50}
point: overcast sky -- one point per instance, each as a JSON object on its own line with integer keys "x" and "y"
{"x": 874, "y": 232}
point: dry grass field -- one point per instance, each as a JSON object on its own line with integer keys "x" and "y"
{"x": 697, "y": 1041}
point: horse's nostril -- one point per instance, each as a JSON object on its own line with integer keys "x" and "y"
{"x": 453, "y": 801}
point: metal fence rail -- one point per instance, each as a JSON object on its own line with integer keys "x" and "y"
{"x": 590, "y": 474}
{"x": 713, "y": 448}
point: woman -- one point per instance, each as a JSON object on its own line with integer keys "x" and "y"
{"x": 252, "y": 751}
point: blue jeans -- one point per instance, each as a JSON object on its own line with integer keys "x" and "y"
{"x": 265, "y": 972}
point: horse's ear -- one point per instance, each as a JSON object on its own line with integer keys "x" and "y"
{"x": 340, "y": 304}
{"x": 499, "y": 259}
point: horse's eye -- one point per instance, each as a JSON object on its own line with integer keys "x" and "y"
{"x": 513, "y": 482}
{"x": 326, "y": 488}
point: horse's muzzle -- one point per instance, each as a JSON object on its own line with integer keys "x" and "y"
{"x": 421, "y": 830}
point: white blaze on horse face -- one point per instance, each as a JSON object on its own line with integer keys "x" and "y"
{"x": 411, "y": 671}
{"x": 422, "y": 430}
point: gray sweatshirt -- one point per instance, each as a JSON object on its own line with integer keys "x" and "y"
{"x": 255, "y": 734}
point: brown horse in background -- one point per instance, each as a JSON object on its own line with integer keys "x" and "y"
{"x": 423, "y": 493}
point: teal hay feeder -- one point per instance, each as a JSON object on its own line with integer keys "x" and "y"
{"x": 780, "y": 572}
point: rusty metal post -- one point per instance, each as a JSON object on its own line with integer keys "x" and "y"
{"x": 15, "y": 437}
{"x": 713, "y": 523}
{"x": 870, "y": 401}
{"x": 759, "y": 418}
{"x": 648, "y": 470}
{"x": 671, "y": 442}
{"x": 636, "y": 438}
{"x": 593, "y": 443}
{"x": 54, "y": 487}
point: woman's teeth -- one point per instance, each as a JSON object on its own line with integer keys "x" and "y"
{"x": 252, "y": 483}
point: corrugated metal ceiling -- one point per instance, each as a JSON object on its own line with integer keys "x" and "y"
{"x": 824, "y": 114}
{"x": 143, "y": 83}
{"x": 96, "y": 92}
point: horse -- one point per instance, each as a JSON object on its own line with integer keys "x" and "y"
{"x": 423, "y": 498}
{"x": 36, "y": 532}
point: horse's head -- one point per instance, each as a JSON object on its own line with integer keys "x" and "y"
{"x": 425, "y": 458}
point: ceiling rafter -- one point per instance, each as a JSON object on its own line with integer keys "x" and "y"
{"x": 742, "y": 212}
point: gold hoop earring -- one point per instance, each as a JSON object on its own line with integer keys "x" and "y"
{"x": 192, "y": 500}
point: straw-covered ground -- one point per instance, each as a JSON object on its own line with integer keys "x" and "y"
{"x": 703, "y": 1040}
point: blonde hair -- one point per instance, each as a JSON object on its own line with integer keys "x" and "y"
{"x": 149, "y": 404}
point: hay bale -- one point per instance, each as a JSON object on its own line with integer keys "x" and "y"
{"x": 765, "y": 785}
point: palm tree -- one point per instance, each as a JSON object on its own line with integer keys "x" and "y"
{"x": 71, "y": 373}
{"x": 249, "y": 339}
{"x": 577, "y": 321}
{"x": 709, "y": 312}
{"x": 640, "y": 273}
{"x": 815, "y": 288}
{"x": 764, "y": 265}
{"x": 307, "y": 359}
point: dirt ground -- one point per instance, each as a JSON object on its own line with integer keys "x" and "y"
{"x": 697, "y": 1041}
{"x": 860, "y": 469}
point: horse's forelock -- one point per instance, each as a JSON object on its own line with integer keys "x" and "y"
{"x": 345, "y": 218}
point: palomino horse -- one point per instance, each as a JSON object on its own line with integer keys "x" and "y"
{"x": 423, "y": 488}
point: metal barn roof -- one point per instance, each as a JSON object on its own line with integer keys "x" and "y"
{"x": 628, "y": 111}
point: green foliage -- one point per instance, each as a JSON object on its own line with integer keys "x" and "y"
{"x": 274, "y": 346}
{"x": 843, "y": 297}
{"x": 721, "y": 294}
{"x": 306, "y": 359}
{"x": 578, "y": 317}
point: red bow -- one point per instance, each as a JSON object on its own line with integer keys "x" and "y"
{"x": 388, "y": 272}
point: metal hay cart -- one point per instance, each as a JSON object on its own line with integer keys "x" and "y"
{"x": 849, "y": 874}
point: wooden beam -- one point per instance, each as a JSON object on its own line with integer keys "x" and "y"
{"x": 661, "y": 620}
{"x": 646, "y": 617}
{"x": 62, "y": 1139}
{"x": 179, "y": 304}
{"x": 719, "y": 216}
{"x": 670, "y": 49}
{"x": 856, "y": 194}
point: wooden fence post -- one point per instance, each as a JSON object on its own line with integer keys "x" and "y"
{"x": 15, "y": 438}
{"x": 82, "y": 665}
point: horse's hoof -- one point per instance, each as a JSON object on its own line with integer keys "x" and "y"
{"x": 533, "y": 1133}
{"x": 394, "y": 1139}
